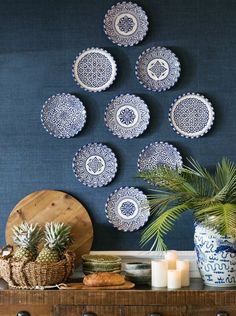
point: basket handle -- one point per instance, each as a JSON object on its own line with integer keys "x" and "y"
{"x": 70, "y": 256}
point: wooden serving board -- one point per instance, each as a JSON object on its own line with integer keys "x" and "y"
{"x": 54, "y": 206}
{"x": 80, "y": 286}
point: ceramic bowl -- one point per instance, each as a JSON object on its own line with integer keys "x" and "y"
{"x": 130, "y": 266}
{"x": 138, "y": 272}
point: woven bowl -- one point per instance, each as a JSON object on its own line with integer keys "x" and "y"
{"x": 34, "y": 274}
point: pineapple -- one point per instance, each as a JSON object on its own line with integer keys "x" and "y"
{"x": 57, "y": 240}
{"x": 26, "y": 237}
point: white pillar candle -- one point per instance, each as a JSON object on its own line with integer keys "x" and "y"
{"x": 183, "y": 267}
{"x": 159, "y": 273}
{"x": 174, "y": 279}
{"x": 171, "y": 257}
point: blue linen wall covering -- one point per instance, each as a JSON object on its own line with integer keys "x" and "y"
{"x": 38, "y": 43}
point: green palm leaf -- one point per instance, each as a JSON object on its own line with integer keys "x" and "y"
{"x": 211, "y": 197}
{"x": 161, "y": 225}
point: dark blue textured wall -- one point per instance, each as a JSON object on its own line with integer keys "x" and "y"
{"x": 38, "y": 43}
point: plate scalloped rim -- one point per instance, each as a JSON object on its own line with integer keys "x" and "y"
{"x": 46, "y": 103}
{"x": 105, "y": 53}
{"x": 141, "y": 81}
{"x": 138, "y": 191}
{"x": 164, "y": 143}
{"x": 110, "y": 177}
{"x": 107, "y": 109}
{"x": 138, "y": 40}
{"x": 208, "y": 105}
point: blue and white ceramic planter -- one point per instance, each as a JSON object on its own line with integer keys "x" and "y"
{"x": 216, "y": 257}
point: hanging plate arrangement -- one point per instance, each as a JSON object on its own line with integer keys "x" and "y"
{"x": 63, "y": 115}
{"x": 94, "y": 69}
{"x": 157, "y": 69}
{"x": 191, "y": 115}
{"x": 127, "y": 116}
{"x": 126, "y": 24}
{"x": 95, "y": 165}
{"x": 127, "y": 209}
{"x": 159, "y": 153}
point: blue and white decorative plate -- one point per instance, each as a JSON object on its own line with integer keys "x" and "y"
{"x": 157, "y": 154}
{"x": 157, "y": 69}
{"x": 94, "y": 69}
{"x": 127, "y": 116}
{"x": 127, "y": 209}
{"x": 95, "y": 165}
{"x": 63, "y": 115}
{"x": 191, "y": 115}
{"x": 126, "y": 24}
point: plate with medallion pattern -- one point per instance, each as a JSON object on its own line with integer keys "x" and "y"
{"x": 157, "y": 69}
{"x": 95, "y": 165}
{"x": 127, "y": 116}
{"x": 63, "y": 115}
{"x": 126, "y": 24}
{"x": 191, "y": 115}
{"x": 159, "y": 153}
{"x": 127, "y": 209}
{"x": 94, "y": 69}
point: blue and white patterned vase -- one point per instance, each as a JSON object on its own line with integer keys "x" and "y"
{"x": 216, "y": 257}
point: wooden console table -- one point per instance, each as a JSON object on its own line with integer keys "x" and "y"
{"x": 141, "y": 301}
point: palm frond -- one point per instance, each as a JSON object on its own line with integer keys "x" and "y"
{"x": 212, "y": 198}
{"x": 161, "y": 226}
{"x": 225, "y": 177}
{"x": 168, "y": 178}
{"x": 201, "y": 172}
{"x": 221, "y": 217}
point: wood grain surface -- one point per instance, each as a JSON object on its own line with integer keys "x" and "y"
{"x": 54, "y": 206}
{"x": 80, "y": 286}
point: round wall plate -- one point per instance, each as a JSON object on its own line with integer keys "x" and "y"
{"x": 191, "y": 115}
{"x": 127, "y": 209}
{"x": 159, "y": 153}
{"x": 94, "y": 69}
{"x": 95, "y": 165}
{"x": 63, "y": 115}
{"x": 157, "y": 69}
{"x": 126, "y": 24}
{"x": 127, "y": 116}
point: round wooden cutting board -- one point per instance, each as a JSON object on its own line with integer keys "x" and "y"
{"x": 54, "y": 206}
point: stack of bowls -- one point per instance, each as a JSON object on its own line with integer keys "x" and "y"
{"x": 138, "y": 272}
{"x": 101, "y": 263}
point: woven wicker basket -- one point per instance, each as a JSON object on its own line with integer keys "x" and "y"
{"x": 34, "y": 274}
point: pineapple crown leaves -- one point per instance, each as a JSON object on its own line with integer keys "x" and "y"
{"x": 210, "y": 196}
{"x": 27, "y": 235}
{"x": 57, "y": 236}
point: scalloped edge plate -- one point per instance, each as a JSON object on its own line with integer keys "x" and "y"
{"x": 209, "y": 108}
{"x": 136, "y": 107}
{"x": 82, "y": 55}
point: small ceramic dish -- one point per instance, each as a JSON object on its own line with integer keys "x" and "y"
{"x": 130, "y": 266}
{"x": 139, "y": 280}
{"x": 138, "y": 272}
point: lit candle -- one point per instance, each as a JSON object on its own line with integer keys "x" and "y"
{"x": 171, "y": 257}
{"x": 174, "y": 279}
{"x": 159, "y": 273}
{"x": 183, "y": 267}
